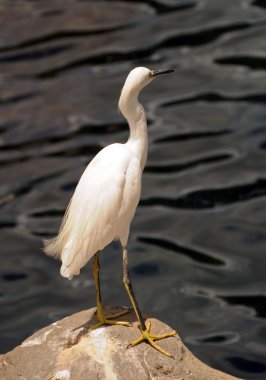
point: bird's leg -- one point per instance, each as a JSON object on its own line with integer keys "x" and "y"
{"x": 144, "y": 328}
{"x": 102, "y": 320}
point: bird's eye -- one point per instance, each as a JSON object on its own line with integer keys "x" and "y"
{"x": 150, "y": 75}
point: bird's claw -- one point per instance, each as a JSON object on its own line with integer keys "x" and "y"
{"x": 109, "y": 321}
{"x": 150, "y": 338}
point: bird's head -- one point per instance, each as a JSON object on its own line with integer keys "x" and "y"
{"x": 141, "y": 76}
{"x": 136, "y": 80}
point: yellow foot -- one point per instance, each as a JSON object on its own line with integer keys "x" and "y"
{"x": 151, "y": 338}
{"x": 109, "y": 320}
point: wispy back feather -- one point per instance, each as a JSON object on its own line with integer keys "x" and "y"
{"x": 54, "y": 247}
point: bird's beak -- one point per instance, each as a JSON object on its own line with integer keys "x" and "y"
{"x": 159, "y": 72}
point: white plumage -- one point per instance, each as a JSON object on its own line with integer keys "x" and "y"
{"x": 108, "y": 192}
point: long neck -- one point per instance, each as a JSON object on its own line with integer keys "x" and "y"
{"x": 134, "y": 112}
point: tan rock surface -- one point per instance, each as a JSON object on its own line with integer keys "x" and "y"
{"x": 65, "y": 351}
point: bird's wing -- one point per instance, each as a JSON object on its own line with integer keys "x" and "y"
{"x": 93, "y": 216}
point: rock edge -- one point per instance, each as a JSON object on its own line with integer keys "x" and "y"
{"x": 65, "y": 350}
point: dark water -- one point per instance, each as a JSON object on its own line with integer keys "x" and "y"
{"x": 198, "y": 241}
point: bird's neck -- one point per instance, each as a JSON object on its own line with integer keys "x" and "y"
{"x": 134, "y": 112}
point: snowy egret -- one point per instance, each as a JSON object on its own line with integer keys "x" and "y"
{"x": 104, "y": 203}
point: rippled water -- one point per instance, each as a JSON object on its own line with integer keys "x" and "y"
{"x": 198, "y": 241}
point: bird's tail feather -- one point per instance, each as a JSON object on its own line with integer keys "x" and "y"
{"x": 54, "y": 247}
{"x": 51, "y": 248}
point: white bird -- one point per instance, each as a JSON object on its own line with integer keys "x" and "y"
{"x": 105, "y": 201}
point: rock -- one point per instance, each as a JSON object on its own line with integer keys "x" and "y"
{"x": 66, "y": 351}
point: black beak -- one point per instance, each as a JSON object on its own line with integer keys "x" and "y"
{"x": 159, "y": 72}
